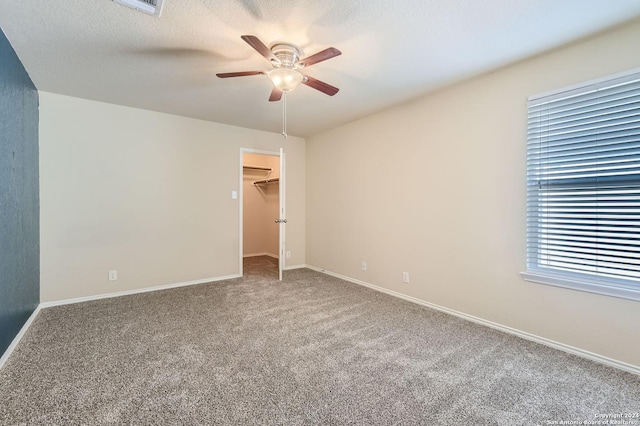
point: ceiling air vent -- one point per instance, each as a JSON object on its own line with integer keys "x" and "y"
{"x": 152, "y": 7}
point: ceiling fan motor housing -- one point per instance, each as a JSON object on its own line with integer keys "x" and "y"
{"x": 288, "y": 55}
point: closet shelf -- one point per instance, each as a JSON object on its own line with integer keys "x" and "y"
{"x": 266, "y": 181}
{"x": 266, "y": 169}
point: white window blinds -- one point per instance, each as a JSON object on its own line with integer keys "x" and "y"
{"x": 583, "y": 184}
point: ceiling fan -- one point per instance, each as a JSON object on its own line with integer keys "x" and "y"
{"x": 285, "y": 58}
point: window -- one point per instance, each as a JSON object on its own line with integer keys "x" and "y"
{"x": 583, "y": 187}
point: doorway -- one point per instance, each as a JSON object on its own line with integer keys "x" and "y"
{"x": 261, "y": 204}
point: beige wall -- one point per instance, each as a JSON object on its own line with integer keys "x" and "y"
{"x": 261, "y": 205}
{"x": 437, "y": 188}
{"x": 146, "y": 194}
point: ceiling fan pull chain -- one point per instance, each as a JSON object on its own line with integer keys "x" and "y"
{"x": 284, "y": 114}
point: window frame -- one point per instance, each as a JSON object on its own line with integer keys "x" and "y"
{"x": 621, "y": 288}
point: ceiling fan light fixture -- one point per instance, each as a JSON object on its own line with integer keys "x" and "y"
{"x": 285, "y": 79}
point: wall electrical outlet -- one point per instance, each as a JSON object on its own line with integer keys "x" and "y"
{"x": 364, "y": 265}
{"x": 113, "y": 275}
{"x": 405, "y": 277}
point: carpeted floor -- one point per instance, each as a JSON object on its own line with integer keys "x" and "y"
{"x": 309, "y": 350}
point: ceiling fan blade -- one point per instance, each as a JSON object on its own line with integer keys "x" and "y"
{"x": 327, "y": 53}
{"x": 276, "y": 95}
{"x": 259, "y": 46}
{"x": 320, "y": 85}
{"x": 238, "y": 74}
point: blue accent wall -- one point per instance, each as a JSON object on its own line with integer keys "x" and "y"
{"x": 19, "y": 196}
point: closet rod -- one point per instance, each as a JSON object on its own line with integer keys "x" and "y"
{"x": 268, "y": 169}
{"x": 265, "y": 181}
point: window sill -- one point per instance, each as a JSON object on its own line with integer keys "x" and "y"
{"x": 613, "y": 289}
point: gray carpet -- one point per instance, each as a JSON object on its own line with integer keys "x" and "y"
{"x": 309, "y": 350}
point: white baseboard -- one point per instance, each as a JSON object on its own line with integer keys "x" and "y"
{"x": 275, "y": 256}
{"x": 523, "y": 334}
{"x": 18, "y": 337}
{"x": 292, "y": 267}
{"x": 136, "y": 291}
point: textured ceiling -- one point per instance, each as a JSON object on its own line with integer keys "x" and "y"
{"x": 392, "y": 51}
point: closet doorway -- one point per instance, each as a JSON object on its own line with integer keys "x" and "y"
{"x": 262, "y": 211}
